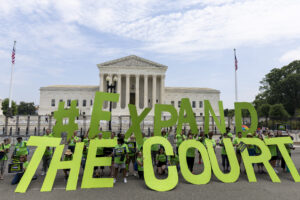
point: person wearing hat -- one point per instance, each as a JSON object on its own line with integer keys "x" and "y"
{"x": 4, "y": 150}
{"x": 68, "y": 157}
{"x": 20, "y": 148}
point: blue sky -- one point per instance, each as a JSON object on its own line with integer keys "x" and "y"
{"x": 60, "y": 42}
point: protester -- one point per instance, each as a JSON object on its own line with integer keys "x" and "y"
{"x": 260, "y": 166}
{"x": 140, "y": 163}
{"x": 48, "y": 154}
{"x": 179, "y": 139}
{"x": 201, "y": 139}
{"x": 154, "y": 151}
{"x": 288, "y": 147}
{"x": 68, "y": 156}
{"x": 225, "y": 161}
{"x": 18, "y": 176}
{"x": 99, "y": 171}
{"x": 236, "y": 143}
{"x": 273, "y": 151}
{"x": 131, "y": 154}
{"x": 174, "y": 160}
{"x": 20, "y": 148}
{"x": 211, "y": 140}
{"x": 72, "y": 141}
{"x": 161, "y": 161}
{"x": 4, "y": 150}
{"x": 190, "y": 155}
{"x": 120, "y": 154}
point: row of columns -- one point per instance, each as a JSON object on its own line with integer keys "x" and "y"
{"x": 137, "y": 88}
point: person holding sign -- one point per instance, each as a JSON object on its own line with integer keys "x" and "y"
{"x": 236, "y": 143}
{"x": 273, "y": 151}
{"x": 68, "y": 157}
{"x": 140, "y": 164}
{"x": 190, "y": 155}
{"x": 179, "y": 139}
{"x": 225, "y": 161}
{"x": 131, "y": 154}
{"x": 72, "y": 141}
{"x": 48, "y": 154}
{"x": 20, "y": 148}
{"x": 4, "y": 150}
{"x": 120, "y": 154}
{"x": 18, "y": 176}
{"x": 201, "y": 139}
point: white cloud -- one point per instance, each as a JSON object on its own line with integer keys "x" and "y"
{"x": 290, "y": 56}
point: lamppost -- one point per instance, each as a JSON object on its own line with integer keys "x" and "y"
{"x": 111, "y": 85}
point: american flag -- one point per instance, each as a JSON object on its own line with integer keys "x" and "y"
{"x": 235, "y": 61}
{"x": 13, "y": 53}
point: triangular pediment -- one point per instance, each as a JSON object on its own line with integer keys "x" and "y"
{"x": 132, "y": 60}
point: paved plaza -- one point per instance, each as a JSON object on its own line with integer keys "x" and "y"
{"x": 136, "y": 189}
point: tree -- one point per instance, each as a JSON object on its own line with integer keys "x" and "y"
{"x": 281, "y": 86}
{"x": 228, "y": 112}
{"x": 26, "y": 108}
{"x": 5, "y": 104}
{"x": 277, "y": 112}
{"x": 264, "y": 111}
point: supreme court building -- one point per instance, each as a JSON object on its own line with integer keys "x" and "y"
{"x": 138, "y": 81}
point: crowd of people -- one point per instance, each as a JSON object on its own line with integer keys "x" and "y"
{"x": 127, "y": 155}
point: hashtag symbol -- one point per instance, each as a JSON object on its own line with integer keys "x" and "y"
{"x": 63, "y": 113}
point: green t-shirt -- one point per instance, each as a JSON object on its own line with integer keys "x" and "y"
{"x": 68, "y": 158}
{"x": 213, "y": 141}
{"x": 86, "y": 141}
{"x": 190, "y": 153}
{"x": 120, "y": 151}
{"x": 166, "y": 136}
{"x": 223, "y": 151}
{"x": 73, "y": 141}
{"x": 21, "y": 149}
{"x": 100, "y": 151}
{"x": 161, "y": 157}
{"x": 179, "y": 139}
{"x": 174, "y": 160}
{"x": 273, "y": 150}
{"x": 5, "y": 147}
{"x": 131, "y": 147}
{"x": 48, "y": 151}
{"x": 140, "y": 168}
{"x": 25, "y": 164}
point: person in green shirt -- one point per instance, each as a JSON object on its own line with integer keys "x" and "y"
{"x": 154, "y": 151}
{"x": 120, "y": 154}
{"x": 260, "y": 166}
{"x": 165, "y": 134}
{"x": 273, "y": 151}
{"x": 99, "y": 171}
{"x": 72, "y": 141}
{"x": 174, "y": 160}
{"x": 190, "y": 155}
{"x": 225, "y": 161}
{"x": 68, "y": 157}
{"x": 131, "y": 143}
{"x": 201, "y": 139}
{"x": 288, "y": 147}
{"x": 179, "y": 139}
{"x": 20, "y": 148}
{"x": 4, "y": 149}
{"x": 48, "y": 154}
{"x": 18, "y": 176}
{"x": 236, "y": 143}
{"x": 140, "y": 164}
{"x": 161, "y": 161}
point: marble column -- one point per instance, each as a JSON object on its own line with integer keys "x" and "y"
{"x": 153, "y": 90}
{"x": 162, "y": 88}
{"x": 101, "y": 82}
{"x": 119, "y": 90}
{"x": 137, "y": 91}
{"x": 127, "y": 90}
{"x": 145, "y": 91}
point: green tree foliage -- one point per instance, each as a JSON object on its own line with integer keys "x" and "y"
{"x": 5, "y": 103}
{"x": 277, "y": 112}
{"x": 228, "y": 112}
{"x": 281, "y": 86}
{"x": 264, "y": 110}
{"x": 26, "y": 108}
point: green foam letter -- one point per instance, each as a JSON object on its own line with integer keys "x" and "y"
{"x": 158, "y": 123}
{"x": 42, "y": 143}
{"x": 98, "y": 114}
{"x": 220, "y": 124}
{"x": 92, "y": 161}
{"x": 56, "y": 164}
{"x": 151, "y": 181}
{"x": 280, "y": 142}
{"x": 264, "y": 158}
{"x": 136, "y": 121}
{"x": 234, "y": 173}
{"x": 199, "y": 179}
{"x": 186, "y": 115}
{"x": 238, "y": 106}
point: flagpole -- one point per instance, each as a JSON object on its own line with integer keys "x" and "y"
{"x": 11, "y": 79}
{"x": 235, "y": 70}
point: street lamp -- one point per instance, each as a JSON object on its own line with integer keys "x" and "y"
{"x": 111, "y": 85}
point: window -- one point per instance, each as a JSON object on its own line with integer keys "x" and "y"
{"x": 194, "y": 104}
{"x": 91, "y": 102}
{"x": 52, "y": 102}
{"x": 77, "y": 102}
{"x": 179, "y": 104}
{"x": 172, "y": 102}
{"x": 60, "y": 100}
{"x": 69, "y": 102}
{"x": 84, "y": 103}
{"x": 201, "y": 114}
{"x": 200, "y": 104}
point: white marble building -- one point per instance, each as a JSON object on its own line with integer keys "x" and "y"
{"x": 138, "y": 81}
